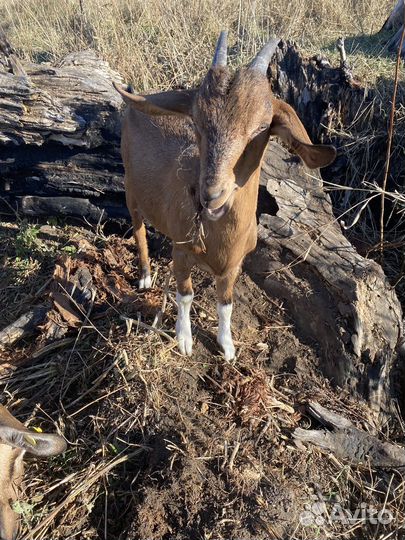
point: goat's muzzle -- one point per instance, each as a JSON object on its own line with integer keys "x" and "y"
{"x": 217, "y": 207}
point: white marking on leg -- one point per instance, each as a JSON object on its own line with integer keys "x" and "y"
{"x": 183, "y": 323}
{"x": 224, "y": 337}
{"x": 145, "y": 282}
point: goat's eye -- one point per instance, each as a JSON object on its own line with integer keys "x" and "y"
{"x": 260, "y": 129}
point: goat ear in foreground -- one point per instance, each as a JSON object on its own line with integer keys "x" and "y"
{"x": 288, "y": 127}
{"x": 175, "y": 102}
{"x": 37, "y": 444}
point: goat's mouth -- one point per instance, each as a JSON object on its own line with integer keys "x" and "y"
{"x": 214, "y": 214}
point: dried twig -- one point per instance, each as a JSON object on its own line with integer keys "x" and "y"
{"x": 147, "y": 327}
{"x": 389, "y": 144}
{"x": 23, "y": 326}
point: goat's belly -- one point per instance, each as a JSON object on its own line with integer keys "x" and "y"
{"x": 169, "y": 209}
{"x": 204, "y": 266}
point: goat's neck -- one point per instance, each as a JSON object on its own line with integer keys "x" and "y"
{"x": 245, "y": 202}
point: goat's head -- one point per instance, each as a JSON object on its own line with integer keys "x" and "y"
{"x": 233, "y": 115}
{"x": 15, "y": 440}
{"x": 229, "y": 112}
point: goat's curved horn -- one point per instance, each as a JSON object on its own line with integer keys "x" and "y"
{"x": 262, "y": 60}
{"x": 221, "y": 51}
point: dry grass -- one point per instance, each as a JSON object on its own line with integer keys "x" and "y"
{"x": 157, "y": 44}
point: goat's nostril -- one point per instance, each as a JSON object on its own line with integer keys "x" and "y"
{"x": 212, "y": 196}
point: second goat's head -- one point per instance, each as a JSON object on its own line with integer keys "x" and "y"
{"x": 15, "y": 441}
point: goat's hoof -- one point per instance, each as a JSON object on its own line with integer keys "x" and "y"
{"x": 228, "y": 349}
{"x": 185, "y": 341}
{"x": 185, "y": 345}
{"x": 145, "y": 283}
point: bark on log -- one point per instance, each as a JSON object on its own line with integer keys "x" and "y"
{"x": 9, "y": 61}
{"x": 59, "y": 136}
{"x": 336, "y": 298}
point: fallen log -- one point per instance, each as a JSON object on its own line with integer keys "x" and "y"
{"x": 59, "y": 136}
{"x": 23, "y": 327}
{"x": 59, "y": 128}
{"x": 32, "y": 205}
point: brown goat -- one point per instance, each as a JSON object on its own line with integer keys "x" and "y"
{"x": 192, "y": 162}
{"x": 15, "y": 440}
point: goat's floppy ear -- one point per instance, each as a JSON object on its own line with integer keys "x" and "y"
{"x": 288, "y": 127}
{"x": 175, "y": 102}
{"x": 37, "y": 444}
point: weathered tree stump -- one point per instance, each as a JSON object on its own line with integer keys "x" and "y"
{"x": 335, "y": 108}
{"x": 337, "y": 299}
{"x": 396, "y": 18}
{"x": 322, "y": 95}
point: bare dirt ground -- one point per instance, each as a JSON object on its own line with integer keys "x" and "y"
{"x": 162, "y": 446}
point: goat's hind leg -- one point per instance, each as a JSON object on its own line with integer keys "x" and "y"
{"x": 225, "y": 286}
{"x": 142, "y": 244}
{"x": 182, "y": 265}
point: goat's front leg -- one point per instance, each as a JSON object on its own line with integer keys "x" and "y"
{"x": 142, "y": 243}
{"x": 224, "y": 308}
{"x": 182, "y": 265}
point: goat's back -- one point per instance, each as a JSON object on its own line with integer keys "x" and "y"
{"x": 161, "y": 162}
